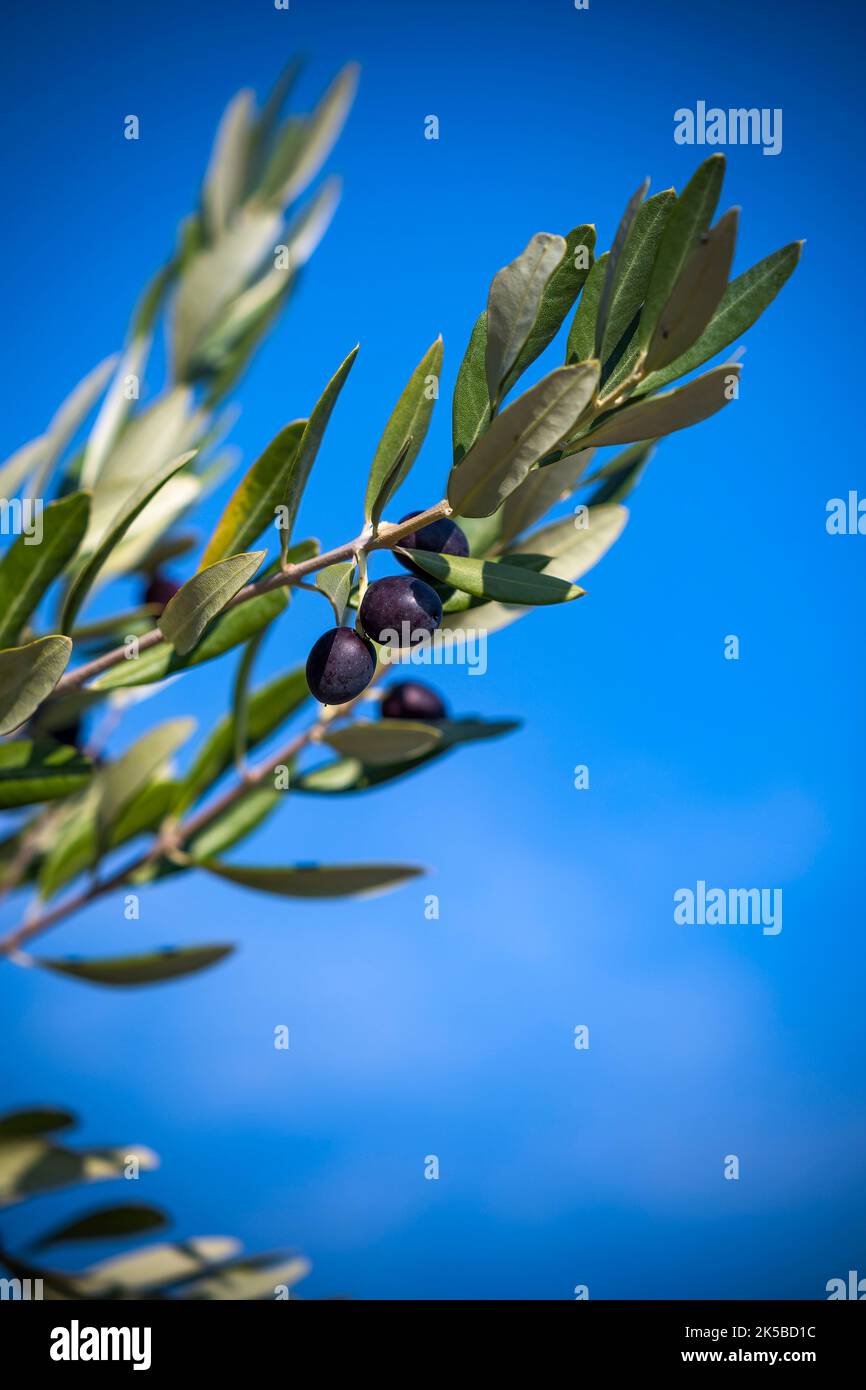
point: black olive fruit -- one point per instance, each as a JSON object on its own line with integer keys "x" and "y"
{"x": 398, "y": 605}
{"x": 412, "y": 700}
{"x": 341, "y": 664}
{"x": 160, "y": 590}
{"x": 443, "y": 536}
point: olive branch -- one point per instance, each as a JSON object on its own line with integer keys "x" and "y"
{"x": 646, "y": 314}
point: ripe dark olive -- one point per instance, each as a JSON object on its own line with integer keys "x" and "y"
{"x": 160, "y": 590}
{"x": 398, "y": 610}
{"x": 411, "y": 700}
{"x": 444, "y": 536}
{"x": 340, "y": 665}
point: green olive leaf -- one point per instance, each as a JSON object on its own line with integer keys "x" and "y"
{"x": 652, "y": 416}
{"x": 315, "y": 880}
{"x": 741, "y": 305}
{"x": 635, "y": 267}
{"x": 114, "y": 533}
{"x": 153, "y": 968}
{"x": 32, "y": 772}
{"x": 335, "y": 582}
{"x": 108, "y": 1223}
{"x": 384, "y": 741}
{"x": 409, "y": 421}
{"x": 580, "y": 345}
{"x": 308, "y": 446}
{"x": 253, "y": 504}
{"x": 558, "y": 298}
{"x": 696, "y": 294}
{"x": 615, "y": 265}
{"x": 197, "y": 602}
{"x": 513, "y": 305}
{"x": 689, "y": 219}
{"x": 525, "y": 431}
{"x": 540, "y": 491}
{"x": 494, "y": 579}
{"x": 120, "y": 781}
{"x": 470, "y": 408}
{"x": 31, "y": 564}
{"x": 27, "y": 675}
{"x": 231, "y": 629}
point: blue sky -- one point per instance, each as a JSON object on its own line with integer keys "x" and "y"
{"x": 454, "y": 1037}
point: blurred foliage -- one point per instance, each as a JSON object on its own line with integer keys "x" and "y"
{"x": 34, "y": 1163}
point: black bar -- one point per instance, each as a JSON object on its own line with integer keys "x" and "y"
{"x": 225, "y": 1338}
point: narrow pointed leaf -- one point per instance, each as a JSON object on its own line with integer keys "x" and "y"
{"x": 308, "y": 447}
{"x": 28, "y": 569}
{"x": 494, "y": 579}
{"x": 108, "y": 1223}
{"x": 513, "y": 305}
{"x": 581, "y": 335}
{"x": 277, "y": 97}
{"x": 200, "y": 599}
{"x": 653, "y": 416}
{"x": 614, "y": 265}
{"x": 32, "y": 772}
{"x": 558, "y": 298}
{"x": 691, "y": 216}
{"x": 409, "y": 421}
{"x": 307, "y": 228}
{"x": 321, "y": 132}
{"x": 470, "y": 408}
{"x": 228, "y": 171}
{"x": 27, "y": 675}
{"x": 315, "y": 880}
{"x": 741, "y": 305}
{"x": 117, "y": 529}
{"x": 635, "y": 266}
{"x": 153, "y": 437}
{"x": 150, "y": 969}
{"x": 236, "y": 823}
{"x": 519, "y": 437}
{"x": 696, "y": 295}
{"x": 573, "y": 552}
{"x": 252, "y": 506}
{"x": 115, "y": 409}
{"x": 215, "y": 276}
{"x": 347, "y": 775}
